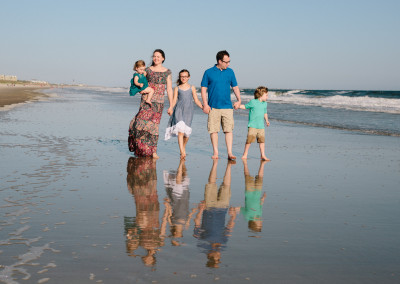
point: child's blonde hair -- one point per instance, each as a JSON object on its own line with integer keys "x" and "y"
{"x": 139, "y": 63}
{"x": 260, "y": 91}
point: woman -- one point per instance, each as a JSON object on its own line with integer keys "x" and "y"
{"x": 143, "y": 129}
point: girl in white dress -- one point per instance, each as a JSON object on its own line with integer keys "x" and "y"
{"x": 183, "y": 107}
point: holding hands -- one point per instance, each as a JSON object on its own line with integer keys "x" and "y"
{"x": 206, "y": 108}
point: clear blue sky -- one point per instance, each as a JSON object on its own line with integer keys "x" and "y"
{"x": 310, "y": 44}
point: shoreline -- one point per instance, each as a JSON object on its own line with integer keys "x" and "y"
{"x": 11, "y": 95}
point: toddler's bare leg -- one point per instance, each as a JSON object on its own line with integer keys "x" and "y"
{"x": 150, "y": 93}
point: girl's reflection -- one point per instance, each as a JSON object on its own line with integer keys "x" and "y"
{"x": 177, "y": 201}
{"x": 145, "y": 230}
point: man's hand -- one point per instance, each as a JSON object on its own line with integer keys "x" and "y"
{"x": 206, "y": 109}
{"x": 236, "y": 105}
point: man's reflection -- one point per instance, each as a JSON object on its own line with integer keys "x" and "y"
{"x": 210, "y": 226}
{"x": 144, "y": 230}
{"x": 177, "y": 201}
{"x": 254, "y": 199}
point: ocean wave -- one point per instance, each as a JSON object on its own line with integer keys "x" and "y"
{"x": 334, "y": 99}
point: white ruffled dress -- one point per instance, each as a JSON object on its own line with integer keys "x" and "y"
{"x": 181, "y": 119}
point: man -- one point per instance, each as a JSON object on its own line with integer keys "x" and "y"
{"x": 217, "y": 82}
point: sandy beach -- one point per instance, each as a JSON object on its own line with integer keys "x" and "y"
{"x": 10, "y": 95}
{"x": 77, "y": 207}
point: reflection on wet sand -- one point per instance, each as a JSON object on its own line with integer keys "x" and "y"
{"x": 145, "y": 229}
{"x": 177, "y": 202}
{"x": 210, "y": 228}
{"x": 254, "y": 201}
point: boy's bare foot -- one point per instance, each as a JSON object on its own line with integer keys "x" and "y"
{"x": 215, "y": 157}
{"x": 244, "y": 157}
{"x": 183, "y": 156}
{"x": 265, "y": 158}
{"x": 155, "y": 156}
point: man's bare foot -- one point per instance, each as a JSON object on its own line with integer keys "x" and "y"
{"x": 183, "y": 156}
{"x": 244, "y": 157}
{"x": 231, "y": 157}
{"x": 265, "y": 158}
{"x": 155, "y": 156}
{"x": 215, "y": 157}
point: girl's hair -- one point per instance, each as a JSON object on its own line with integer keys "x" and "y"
{"x": 260, "y": 91}
{"x": 162, "y": 54}
{"x": 179, "y": 82}
{"x": 139, "y": 63}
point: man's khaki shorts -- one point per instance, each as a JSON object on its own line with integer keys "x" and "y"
{"x": 254, "y": 134}
{"x": 218, "y": 117}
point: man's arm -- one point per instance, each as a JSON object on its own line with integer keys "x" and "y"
{"x": 236, "y": 91}
{"x": 206, "y": 107}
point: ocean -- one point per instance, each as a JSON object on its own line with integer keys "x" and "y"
{"x": 373, "y": 112}
{"x": 370, "y": 112}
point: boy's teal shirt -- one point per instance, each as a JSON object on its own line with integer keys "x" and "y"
{"x": 257, "y": 110}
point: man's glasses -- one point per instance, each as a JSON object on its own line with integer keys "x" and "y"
{"x": 226, "y": 61}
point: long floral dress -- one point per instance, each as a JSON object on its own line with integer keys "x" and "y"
{"x": 143, "y": 130}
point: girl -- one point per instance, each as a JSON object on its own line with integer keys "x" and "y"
{"x": 139, "y": 82}
{"x": 182, "y": 108}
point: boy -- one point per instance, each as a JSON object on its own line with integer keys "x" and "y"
{"x": 257, "y": 114}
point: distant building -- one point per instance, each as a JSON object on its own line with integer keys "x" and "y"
{"x": 39, "y": 82}
{"x": 8, "y": 78}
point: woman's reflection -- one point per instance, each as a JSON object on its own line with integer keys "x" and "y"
{"x": 145, "y": 229}
{"x": 177, "y": 202}
{"x": 210, "y": 226}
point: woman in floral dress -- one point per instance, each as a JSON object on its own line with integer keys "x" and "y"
{"x": 143, "y": 129}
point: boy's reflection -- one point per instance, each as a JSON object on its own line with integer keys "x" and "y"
{"x": 144, "y": 230}
{"x": 253, "y": 198}
{"x": 177, "y": 201}
{"x": 210, "y": 226}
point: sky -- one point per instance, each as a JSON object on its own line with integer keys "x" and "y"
{"x": 286, "y": 44}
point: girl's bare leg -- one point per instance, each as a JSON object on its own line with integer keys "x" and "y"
{"x": 181, "y": 145}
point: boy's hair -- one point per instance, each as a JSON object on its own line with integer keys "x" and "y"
{"x": 179, "y": 82}
{"x": 221, "y": 54}
{"x": 254, "y": 226}
{"x": 139, "y": 63}
{"x": 260, "y": 91}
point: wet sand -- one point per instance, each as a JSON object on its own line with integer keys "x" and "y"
{"x": 77, "y": 207}
{"x": 10, "y": 95}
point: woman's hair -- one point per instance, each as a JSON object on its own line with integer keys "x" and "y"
{"x": 162, "y": 54}
{"x": 139, "y": 63}
{"x": 221, "y": 54}
{"x": 260, "y": 91}
{"x": 179, "y": 82}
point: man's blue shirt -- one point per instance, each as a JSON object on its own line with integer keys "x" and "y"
{"x": 218, "y": 83}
